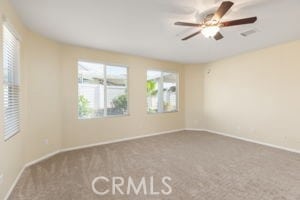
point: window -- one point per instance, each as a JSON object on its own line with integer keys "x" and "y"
{"x": 102, "y": 90}
{"x": 11, "y": 87}
{"x": 162, "y": 91}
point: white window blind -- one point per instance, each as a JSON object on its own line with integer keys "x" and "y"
{"x": 11, "y": 88}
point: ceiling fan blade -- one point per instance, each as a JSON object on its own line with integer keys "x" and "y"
{"x": 190, "y": 36}
{"x": 187, "y": 24}
{"x": 222, "y": 10}
{"x": 250, "y": 20}
{"x": 218, "y": 36}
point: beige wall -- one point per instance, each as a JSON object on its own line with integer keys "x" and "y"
{"x": 40, "y": 101}
{"x": 194, "y": 90}
{"x": 256, "y": 95}
{"x": 42, "y": 58}
{"x": 80, "y": 132}
{"x": 11, "y": 152}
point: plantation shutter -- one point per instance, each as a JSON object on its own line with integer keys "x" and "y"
{"x": 11, "y": 88}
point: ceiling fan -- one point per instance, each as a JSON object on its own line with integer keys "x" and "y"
{"x": 211, "y": 25}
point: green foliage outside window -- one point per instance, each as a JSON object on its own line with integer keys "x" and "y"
{"x": 120, "y": 103}
{"x": 83, "y": 107}
{"x": 151, "y": 85}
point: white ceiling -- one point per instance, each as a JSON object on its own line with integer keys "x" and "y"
{"x": 145, "y": 27}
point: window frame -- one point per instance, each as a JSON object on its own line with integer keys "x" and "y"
{"x": 105, "y": 90}
{"x": 5, "y": 23}
{"x": 161, "y": 79}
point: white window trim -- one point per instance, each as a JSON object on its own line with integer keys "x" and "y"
{"x": 11, "y": 28}
{"x": 161, "y": 82}
{"x": 105, "y": 89}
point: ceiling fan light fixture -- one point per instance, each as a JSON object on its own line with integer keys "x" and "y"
{"x": 212, "y": 23}
{"x": 210, "y": 31}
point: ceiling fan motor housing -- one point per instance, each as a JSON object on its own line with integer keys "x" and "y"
{"x": 208, "y": 20}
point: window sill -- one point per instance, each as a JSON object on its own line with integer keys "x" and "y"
{"x": 104, "y": 117}
{"x": 169, "y": 112}
{"x": 10, "y": 137}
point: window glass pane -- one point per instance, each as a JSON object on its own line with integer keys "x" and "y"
{"x": 161, "y": 91}
{"x": 169, "y": 92}
{"x": 153, "y": 82}
{"x": 117, "y": 103}
{"x": 90, "y": 90}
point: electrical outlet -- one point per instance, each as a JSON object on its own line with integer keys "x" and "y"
{"x": 1, "y": 178}
{"x": 46, "y": 141}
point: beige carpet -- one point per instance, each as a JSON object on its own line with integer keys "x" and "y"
{"x": 201, "y": 165}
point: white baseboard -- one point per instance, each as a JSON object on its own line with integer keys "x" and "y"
{"x": 42, "y": 158}
{"x": 245, "y": 139}
{"x": 24, "y": 167}
{"x": 14, "y": 183}
{"x": 80, "y": 147}
{"x": 119, "y": 140}
{"x": 194, "y": 129}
